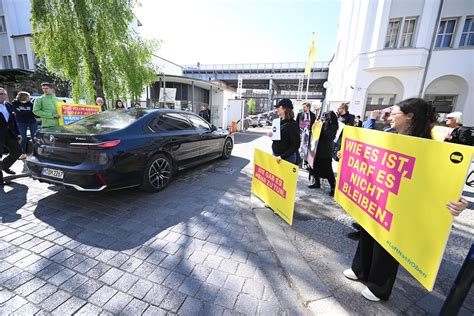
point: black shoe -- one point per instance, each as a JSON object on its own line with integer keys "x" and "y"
{"x": 356, "y": 226}
{"x": 9, "y": 171}
{"x": 315, "y": 186}
{"x": 354, "y": 235}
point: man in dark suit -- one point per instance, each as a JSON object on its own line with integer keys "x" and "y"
{"x": 9, "y": 136}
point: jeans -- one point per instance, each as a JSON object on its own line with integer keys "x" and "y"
{"x": 23, "y": 127}
{"x": 291, "y": 158}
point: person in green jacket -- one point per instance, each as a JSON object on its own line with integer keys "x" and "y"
{"x": 45, "y": 106}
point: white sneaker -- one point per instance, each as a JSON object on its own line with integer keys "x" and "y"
{"x": 350, "y": 275}
{"x": 369, "y": 295}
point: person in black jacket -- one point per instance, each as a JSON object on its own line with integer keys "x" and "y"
{"x": 9, "y": 135}
{"x": 25, "y": 118}
{"x": 287, "y": 147}
{"x": 322, "y": 167}
{"x": 459, "y": 134}
{"x": 305, "y": 121}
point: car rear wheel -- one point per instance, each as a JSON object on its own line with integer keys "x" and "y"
{"x": 227, "y": 151}
{"x": 158, "y": 173}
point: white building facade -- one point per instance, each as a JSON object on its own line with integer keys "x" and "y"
{"x": 15, "y": 35}
{"x": 383, "y": 55}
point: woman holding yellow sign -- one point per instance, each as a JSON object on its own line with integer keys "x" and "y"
{"x": 372, "y": 264}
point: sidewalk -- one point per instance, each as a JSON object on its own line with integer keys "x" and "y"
{"x": 318, "y": 237}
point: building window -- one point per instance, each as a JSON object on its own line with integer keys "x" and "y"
{"x": 3, "y": 27}
{"x": 7, "y": 62}
{"x": 467, "y": 37}
{"x": 392, "y": 33}
{"x": 408, "y": 32}
{"x": 23, "y": 61}
{"x": 445, "y": 33}
{"x": 442, "y": 104}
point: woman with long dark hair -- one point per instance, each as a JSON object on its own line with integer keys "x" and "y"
{"x": 287, "y": 147}
{"x": 322, "y": 167}
{"x": 372, "y": 263}
{"x": 119, "y": 104}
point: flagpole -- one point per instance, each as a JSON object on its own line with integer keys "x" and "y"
{"x": 307, "y": 84}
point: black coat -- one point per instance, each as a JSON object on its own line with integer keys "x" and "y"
{"x": 290, "y": 139}
{"x": 10, "y": 125}
{"x": 462, "y": 135}
{"x": 325, "y": 143}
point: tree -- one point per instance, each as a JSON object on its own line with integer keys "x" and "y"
{"x": 42, "y": 74}
{"x": 251, "y": 104}
{"x": 92, "y": 44}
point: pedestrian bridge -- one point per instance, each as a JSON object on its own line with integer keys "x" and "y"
{"x": 276, "y": 79}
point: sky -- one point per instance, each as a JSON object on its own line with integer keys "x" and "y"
{"x": 240, "y": 31}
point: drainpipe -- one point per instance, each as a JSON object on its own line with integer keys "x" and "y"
{"x": 430, "y": 52}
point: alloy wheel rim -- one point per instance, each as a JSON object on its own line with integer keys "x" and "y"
{"x": 228, "y": 148}
{"x": 159, "y": 173}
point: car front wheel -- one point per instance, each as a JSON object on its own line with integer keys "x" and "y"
{"x": 227, "y": 150}
{"x": 157, "y": 174}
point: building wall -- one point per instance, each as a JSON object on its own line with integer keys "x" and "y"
{"x": 362, "y": 66}
{"x": 17, "y": 15}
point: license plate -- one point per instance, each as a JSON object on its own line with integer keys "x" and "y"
{"x": 54, "y": 173}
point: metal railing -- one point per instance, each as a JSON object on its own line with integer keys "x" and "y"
{"x": 253, "y": 66}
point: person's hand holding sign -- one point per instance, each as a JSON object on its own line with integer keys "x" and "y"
{"x": 456, "y": 208}
{"x": 270, "y": 134}
{"x": 278, "y": 159}
{"x": 56, "y": 116}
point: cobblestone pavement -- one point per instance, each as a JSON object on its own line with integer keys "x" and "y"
{"x": 194, "y": 248}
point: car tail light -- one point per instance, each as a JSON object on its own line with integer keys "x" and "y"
{"x": 103, "y": 145}
{"x": 101, "y": 178}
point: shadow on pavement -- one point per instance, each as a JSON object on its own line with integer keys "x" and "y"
{"x": 12, "y": 197}
{"x": 247, "y": 137}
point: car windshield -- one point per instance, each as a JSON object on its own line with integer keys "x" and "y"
{"x": 106, "y": 121}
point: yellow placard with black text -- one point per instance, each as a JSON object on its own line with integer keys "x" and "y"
{"x": 397, "y": 188}
{"x": 275, "y": 184}
{"x": 70, "y": 113}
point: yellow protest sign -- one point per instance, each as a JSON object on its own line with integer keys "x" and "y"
{"x": 313, "y": 142}
{"x": 397, "y": 188}
{"x": 275, "y": 183}
{"x": 69, "y": 113}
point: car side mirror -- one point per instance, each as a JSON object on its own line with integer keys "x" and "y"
{"x": 213, "y": 128}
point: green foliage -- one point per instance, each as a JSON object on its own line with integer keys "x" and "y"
{"x": 92, "y": 44}
{"x": 251, "y": 105}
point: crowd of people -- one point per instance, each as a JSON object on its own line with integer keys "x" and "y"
{"x": 21, "y": 116}
{"x": 414, "y": 117}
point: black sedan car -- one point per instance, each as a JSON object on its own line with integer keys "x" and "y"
{"x": 120, "y": 149}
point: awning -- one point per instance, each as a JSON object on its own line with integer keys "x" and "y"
{"x": 14, "y": 74}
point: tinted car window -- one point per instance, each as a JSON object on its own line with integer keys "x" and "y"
{"x": 198, "y": 122}
{"x": 170, "y": 122}
{"x": 102, "y": 122}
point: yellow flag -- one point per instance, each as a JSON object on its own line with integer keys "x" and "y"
{"x": 311, "y": 58}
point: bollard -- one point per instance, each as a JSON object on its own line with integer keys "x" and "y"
{"x": 461, "y": 286}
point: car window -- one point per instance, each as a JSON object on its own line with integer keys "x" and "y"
{"x": 170, "y": 122}
{"x": 198, "y": 122}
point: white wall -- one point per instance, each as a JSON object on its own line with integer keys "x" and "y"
{"x": 361, "y": 60}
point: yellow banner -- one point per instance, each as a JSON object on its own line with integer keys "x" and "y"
{"x": 397, "y": 188}
{"x": 313, "y": 142}
{"x": 275, "y": 184}
{"x": 69, "y": 113}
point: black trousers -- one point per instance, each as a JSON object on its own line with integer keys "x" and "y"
{"x": 10, "y": 141}
{"x": 375, "y": 266}
{"x": 323, "y": 169}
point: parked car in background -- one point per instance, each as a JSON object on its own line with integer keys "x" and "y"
{"x": 120, "y": 149}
